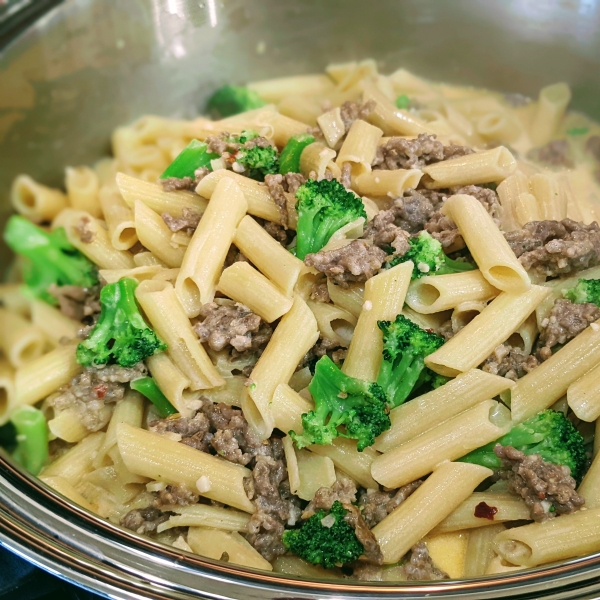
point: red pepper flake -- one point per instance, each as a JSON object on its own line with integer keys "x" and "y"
{"x": 483, "y": 511}
{"x": 100, "y": 390}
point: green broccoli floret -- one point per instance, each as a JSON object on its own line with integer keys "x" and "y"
{"x": 257, "y": 161}
{"x": 403, "y": 101}
{"x": 359, "y": 406}
{"x": 323, "y": 208}
{"x": 586, "y": 290}
{"x": 429, "y": 258}
{"x": 549, "y": 434}
{"x": 121, "y": 335}
{"x": 405, "y": 346}
{"x": 232, "y": 100}
{"x": 50, "y": 258}
{"x": 325, "y": 539}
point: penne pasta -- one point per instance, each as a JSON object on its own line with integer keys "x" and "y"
{"x": 82, "y": 190}
{"x": 36, "y": 201}
{"x": 359, "y": 147}
{"x": 386, "y": 183}
{"x": 20, "y": 341}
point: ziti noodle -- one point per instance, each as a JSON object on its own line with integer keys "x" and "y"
{"x": 351, "y": 321}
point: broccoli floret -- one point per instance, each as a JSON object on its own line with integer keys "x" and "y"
{"x": 323, "y": 207}
{"x": 232, "y": 100}
{"x": 429, "y": 258}
{"x": 257, "y": 161}
{"x": 121, "y": 335}
{"x": 405, "y": 346}
{"x": 359, "y": 406}
{"x": 325, "y": 539}
{"x": 50, "y": 258}
{"x": 403, "y": 101}
{"x": 586, "y": 290}
{"x": 549, "y": 434}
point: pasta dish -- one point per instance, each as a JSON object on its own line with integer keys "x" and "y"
{"x": 345, "y": 326}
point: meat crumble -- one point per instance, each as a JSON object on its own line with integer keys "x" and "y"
{"x": 279, "y": 186}
{"x": 351, "y": 111}
{"x": 420, "y": 567}
{"x": 376, "y": 505}
{"x": 510, "y": 362}
{"x": 188, "y": 222}
{"x": 75, "y": 302}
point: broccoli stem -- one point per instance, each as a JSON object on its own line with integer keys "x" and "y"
{"x": 148, "y": 388}
{"x": 398, "y": 382}
{"x": 32, "y": 438}
{"x": 194, "y": 156}
{"x": 454, "y": 266}
{"x": 289, "y": 159}
{"x": 231, "y": 100}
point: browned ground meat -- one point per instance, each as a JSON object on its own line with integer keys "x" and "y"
{"x": 510, "y": 362}
{"x": 279, "y": 186}
{"x": 445, "y": 231}
{"x": 593, "y": 146}
{"x": 487, "y": 197}
{"x": 566, "y": 320}
{"x": 320, "y": 293}
{"x": 555, "y": 153}
{"x": 144, "y": 520}
{"x": 346, "y": 176}
{"x": 175, "y": 184}
{"x": 277, "y": 232}
{"x": 351, "y": 111}
{"x": 235, "y": 325}
{"x": 343, "y": 490}
{"x": 372, "y": 552}
{"x": 187, "y": 222}
{"x": 376, "y": 506}
{"x": 446, "y": 330}
{"x": 194, "y": 431}
{"x": 420, "y": 567}
{"x": 382, "y": 232}
{"x": 77, "y": 302}
{"x": 541, "y": 484}
{"x": 333, "y": 349}
{"x": 90, "y": 391}
{"x": 555, "y": 248}
{"x": 356, "y": 262}
{"x": 402, "y": 153}
{"x": 86, "y": 235}
{"x": 516, "y": 100}
{"x": 172, "y": 495}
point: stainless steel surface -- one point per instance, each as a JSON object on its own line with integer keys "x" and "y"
{"x": 89, "y": 65}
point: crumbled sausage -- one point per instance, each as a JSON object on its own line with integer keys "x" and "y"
{"x": 555, "y": 153}
{"x": 187, "y": 222}
{"x": 351, "y": 111}
{"x": 86, "y": 235}
{"x": 376, "y": 506}
{"x": 547, "y": 489}
{"x": 555, "y": 248}
{"x": 371, "y": 551}
{"x": 343, "y": 490}
{"x": 320, "y": 293}
{"x": 420, "y": 567}
{"x": 444, "y": 230}
{"x": 77, "y": 302}
{"x": 510, "y": 362}
{"x": 486, "y": 196}
{"x": 235, "y": 325}
{"x": 346, "y": 175}
{"x": 175, "y": 184}
{"x": 382, "y": 232}
{"x": 176, "y": 495}
{"x": 355, "y": 262}
{"x": 567, "y": 320}
{"x": 279, "y": 186}
{"x": 144, "y": 520}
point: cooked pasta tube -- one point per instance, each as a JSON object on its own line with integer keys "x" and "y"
{"x": 499, "y": 566}
{"x": 552, "y": 104}
{"x": 82, "y": 189}
{"x": 52, "y": 322}
{"x": 431, "y": 294}
{"x": 268, "y": 255}
{"x": 332, "y": 126}
{"x": 549, "y": 381}
{"x": 137, "y": 273}
{"x": 318, "y": 158}
{"x": 509, "y": 192}
{"x": 79, "y": 226}
{"x": 422, "y": 510}
{"x": 477, "y": 340}
{"x": 168, "y": 319}
{"x": 575, "y": 534}
{"x": 300, "y": 108}
{"x": 359, "y": 147}
{"x": 7, "y": 384}
{"x": 383, "y": 300}
{"x": 203, "y": 515}
{"x": 36, "y": 201}
{"x": 525, "y": 336}
{"x": 350, "y": 298}
{"x": 314, "y": 472}
{"x": 243, "y": 283}
{"x": 20, "y": 341}
{"x": 291, "y": 461}
{"x": 39, "y": 378}
{"x": 294, "y": 336}
{"x": 119, "y": 218}
{"x": 12, "y": 298}
{"x": 66, "y": 489}
{"x": 429, "y": 410}
{"x": 551, "y": 203}
{"x": 335, "y": 323}
{"x": 260, "y": 203}
{"x": 273, "y": 90}
{"x": 77, "y": 461}
{"x": 507, "y": 507}
{"x": 284, "y": 128}
{"x": 154, "y": 197}
{"x": 481, "y": 167}
{"x": 287, "y": 408}
{"x": 67, "y": 426}
{"x": 583, "y": 396}
{"x": 205, "y": 256}
{"x": 477, "y": 426}
{"x": 495, "y": 258}
{"x": 154, "y": 234}
{"x": 385, "y": 183}
{"x": 214, "y": 543}
{"x": 161, "y": 459}
{"x": 527, "y": 209}
{"x": 464, "y": 313}
{"x": 480, "y": 550}
{"x": 348, "y": 459}
{"x": 499, "y": 125}
{"x": 147, "y": 259}
{"x": 590, "y": 486}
